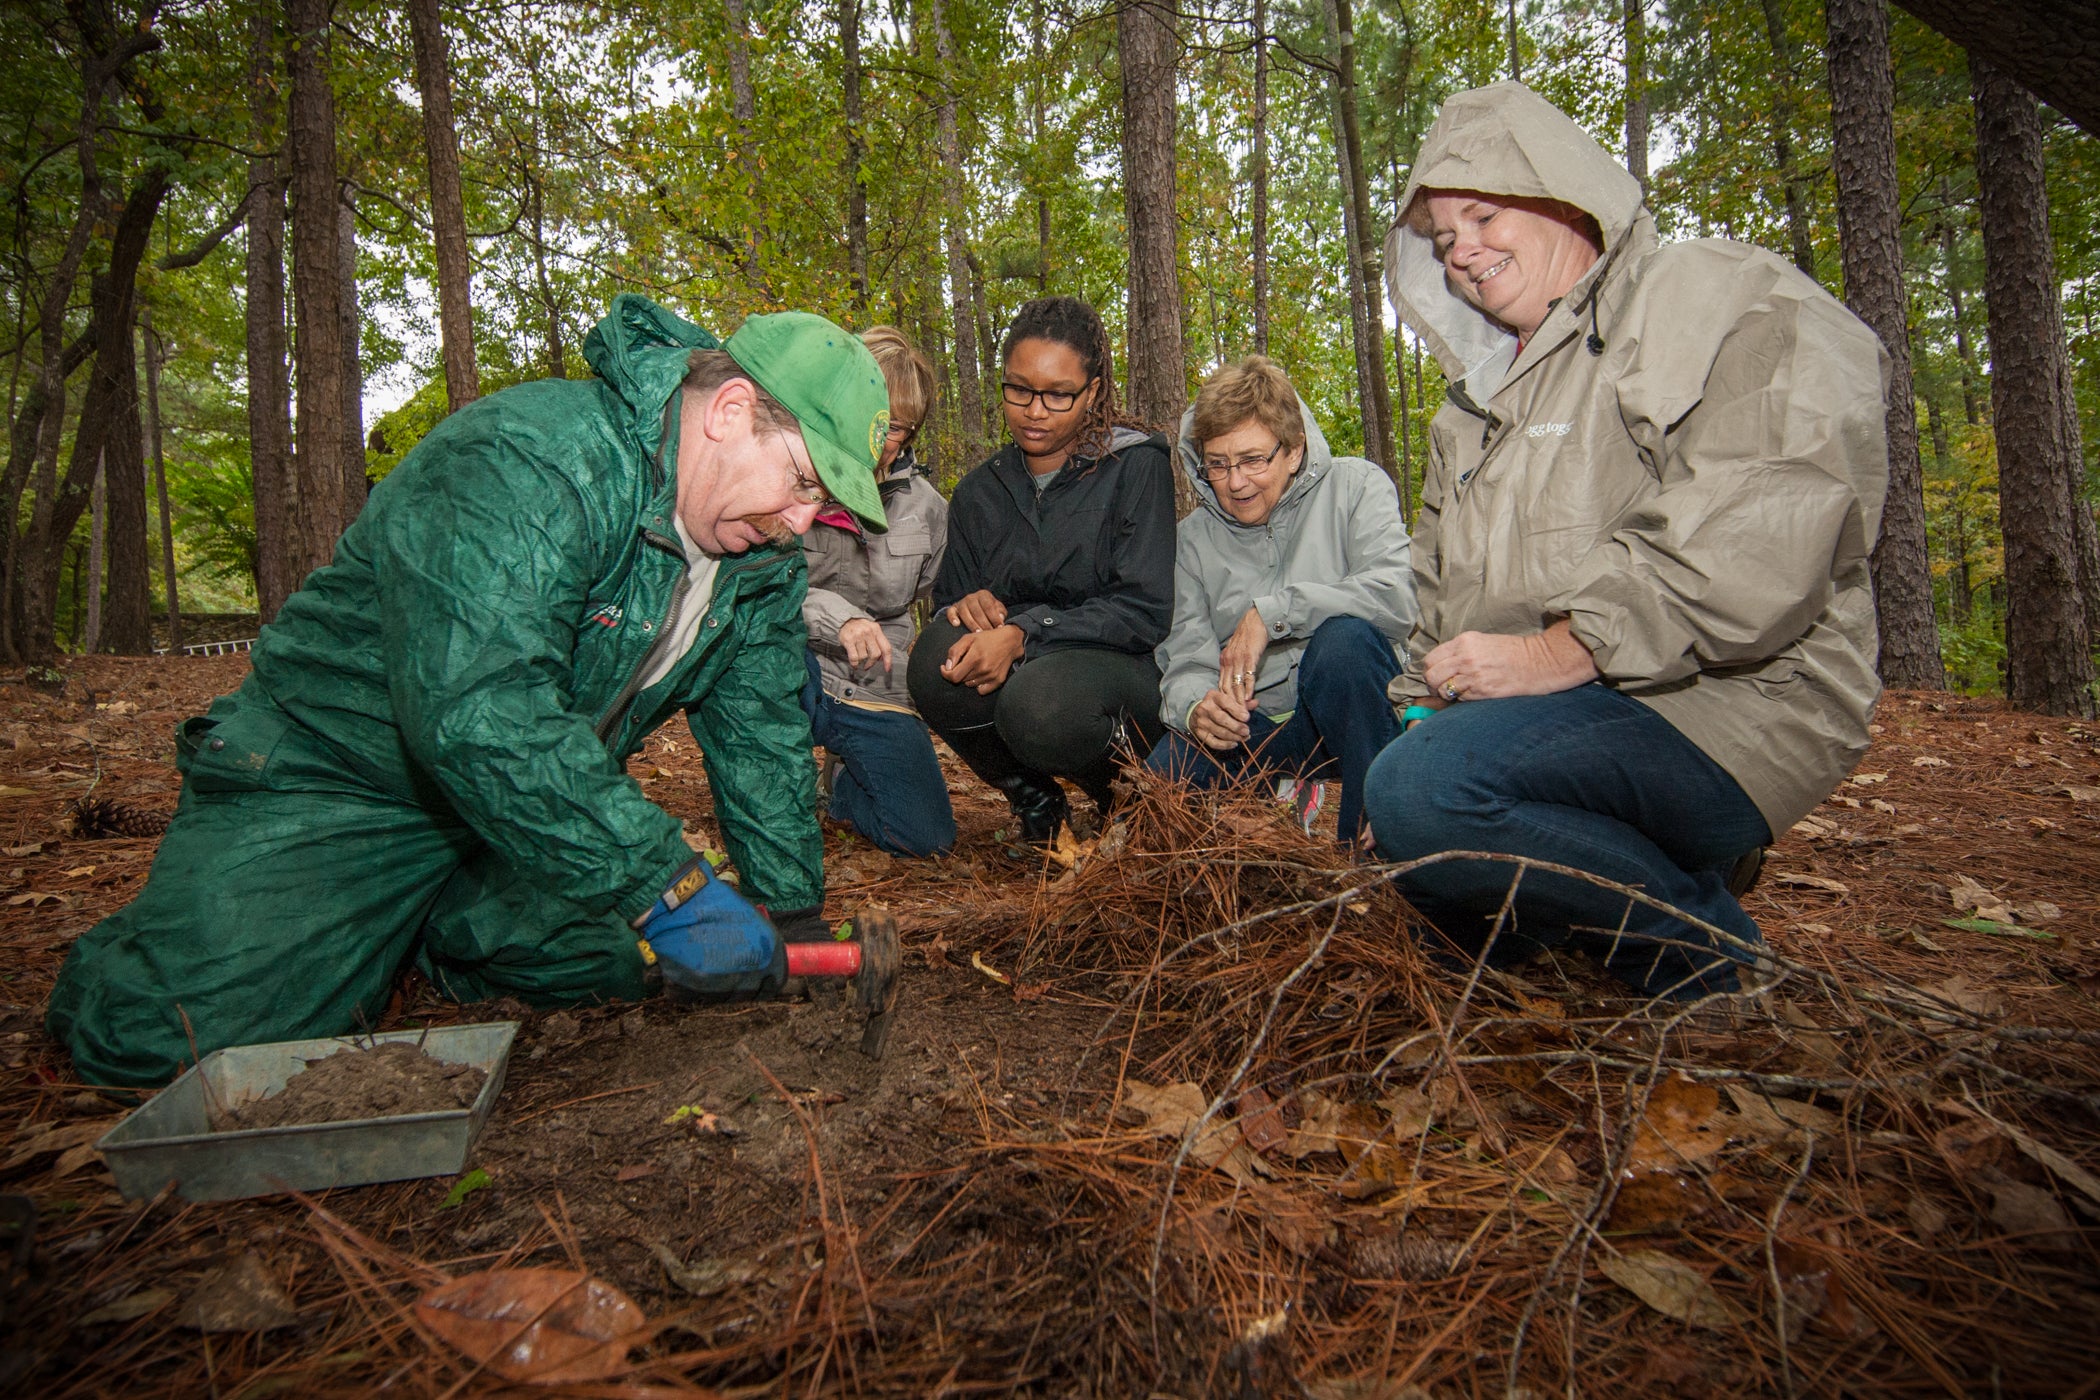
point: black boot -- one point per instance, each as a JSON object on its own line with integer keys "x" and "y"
{"x": 1098, "y": 781}
{"x": 1038, "y": 802}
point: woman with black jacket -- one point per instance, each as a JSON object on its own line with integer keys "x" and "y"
{"x": 1058, "y": 581}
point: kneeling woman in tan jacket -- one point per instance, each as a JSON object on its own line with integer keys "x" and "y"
{"x": 1647, "y": 639}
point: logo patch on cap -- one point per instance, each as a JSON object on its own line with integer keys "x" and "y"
{"x": 878, "y": 431}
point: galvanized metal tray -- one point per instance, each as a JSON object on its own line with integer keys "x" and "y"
{"x": 170, "y": 1138}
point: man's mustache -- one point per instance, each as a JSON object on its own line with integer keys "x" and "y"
{"x": 773, "y": 528}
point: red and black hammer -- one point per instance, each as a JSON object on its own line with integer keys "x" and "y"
{"x": 871, "y": 958}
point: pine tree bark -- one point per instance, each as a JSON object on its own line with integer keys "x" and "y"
{"x": 1260, "y": 239}
{"x": 1149, "y": 49}
{"x": 316, "y": 286}
{"x": 2047, "y": 654}
{"x": 127, "y": 611}
{"x": 448, "y": 215}
{"x": 856, "y": 156}
{"x": 108, "y": 428}
{"x": 355, "y": 484}
{"x": 969, "y": 367}
{"x": 1637, "y": 90}
{"x": 98, "y": 515}
{"x": 1366, "y": 275}
{"x": 1870, "y": 243}
{"x": 2052, "y": 47}
{"x": 743, "y": 104}
{"x": 154, "y": 435}
{"x": 280, "y": 548}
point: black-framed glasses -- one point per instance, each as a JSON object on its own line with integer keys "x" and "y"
{"x": 1250, "y": 464}
{"x": 1056, "y": 400}
{"x": 902, "y": 433}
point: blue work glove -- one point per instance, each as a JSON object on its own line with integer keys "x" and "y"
{"x": 709, "y": 942}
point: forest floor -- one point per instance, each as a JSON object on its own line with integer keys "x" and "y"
{"x": 1215, "y": 1127}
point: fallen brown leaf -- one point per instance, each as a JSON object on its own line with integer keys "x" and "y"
{"x": 535, "y": 1324}
{"x": 1671, "y": 1287}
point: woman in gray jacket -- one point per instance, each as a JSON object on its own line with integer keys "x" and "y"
{"x": 885, "y": 781}
{"x": 1291, "y": 593}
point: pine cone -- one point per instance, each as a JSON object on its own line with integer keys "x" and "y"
{"x": 1411, "y": 1255}
{"x": 97, "y": 819}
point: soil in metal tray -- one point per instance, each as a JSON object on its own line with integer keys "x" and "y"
{"x": 386, "y": 1081}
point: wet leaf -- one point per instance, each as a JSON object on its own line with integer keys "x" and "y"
{"x": 535, "y": 1324}
{"x": 706, "y": 1278}
{"x": 34, "y": 898}
{"x": 238, "y": 1296}
{"x": 977, "y": 961}
{"x": 1680, "y": 1125}
{"x": 1998, "y": 929}
{"x": 1671, "y": 1287}
{"x": 1261, "y": 1121}
{"x": 1926, "y": 1219}
{"x": 1773, "y": 1119}
{"x": 1812, "y": 882}
{"x": 1654, "y": 1202}
{"x": 464, "y": 1187}
{"x": 53, "y": 1137}
{"x": 1959, "y": 991}
{"x": 34, "y": 848}
{"x": 1928, "y": 761}
{"x": 77, "y": 871}
{"x": 1175, "y": 1109}
{"x": 636, "y": 1172}
{"x": 134, "y": 1305}
{"x": 2074, "y": 791}
{"x": 2029, "y": 1211}
{"x": 1868, "y": 779}
{"x": 2066, "y": 1170}
{"x": 73, "y": 1159}
{"x": 1968, "y": 894}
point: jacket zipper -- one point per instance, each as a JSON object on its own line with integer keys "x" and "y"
{"x": 1489, "y": 422}
{"x": 617, "y": 710}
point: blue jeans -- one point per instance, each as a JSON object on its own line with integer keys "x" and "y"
{"x": 888, "y": 786}
{"x": 1588, "y": 778}
{"x": 1342, "y": 722}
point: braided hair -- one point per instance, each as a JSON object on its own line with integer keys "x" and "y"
{"x": 1070, "y": 322}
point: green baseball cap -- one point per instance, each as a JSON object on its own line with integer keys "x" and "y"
{"x": 829, "y": 381}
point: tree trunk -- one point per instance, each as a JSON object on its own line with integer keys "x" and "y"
{"x": 91, "y": 629}
{"x": 1637, "y": 90}
{"x": 280, "y": 549}
{"x": 316, "y": 286}
{"x": 1042, "y": 200}
{"x": 108, "y": 426}
{"x": 2048, "y": 661}
{"x": 448, "y": 215}
{"x": 856, "y": 153}
{"x": 1365, "y": 270}
{"x": 1870, "y": 242}
{"x": 743, "y": 102}
{"x": 160, "y": 482}
{"x": 1156, "y": 367}
{"x": 2052, "y": 47}
{"x": 1972, "y": 413}
{"x": 1516, "y": 55}
{"x": 355, "y": 484}
{"x": 1799, "y": 232}
{"x": 969, "y": 371}
{"x": 1260, "y": 249}
{"x": 127, "y": 602}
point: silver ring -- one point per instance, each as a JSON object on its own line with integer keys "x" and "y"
{"x": 1451, "y": 691}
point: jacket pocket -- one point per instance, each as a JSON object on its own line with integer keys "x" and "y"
{"x": 229, "y": 752}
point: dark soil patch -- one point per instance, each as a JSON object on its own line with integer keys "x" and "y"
{"x": 388, "y": 1080}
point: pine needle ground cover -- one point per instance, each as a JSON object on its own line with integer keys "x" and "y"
{"x": 1174, "y": 1111}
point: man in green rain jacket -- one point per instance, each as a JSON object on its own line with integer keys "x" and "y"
{"x": 427, "y": 760}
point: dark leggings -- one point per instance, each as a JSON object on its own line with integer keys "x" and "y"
{"x": 1059, "y": 713}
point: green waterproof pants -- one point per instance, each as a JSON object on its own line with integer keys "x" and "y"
{"x": 286, "y": 897}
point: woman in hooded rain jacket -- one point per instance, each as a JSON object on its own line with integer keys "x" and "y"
{"x": 1647, "y": 638}
{"x": 882, "y": 777}
{"x": 1291, "y": 596}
